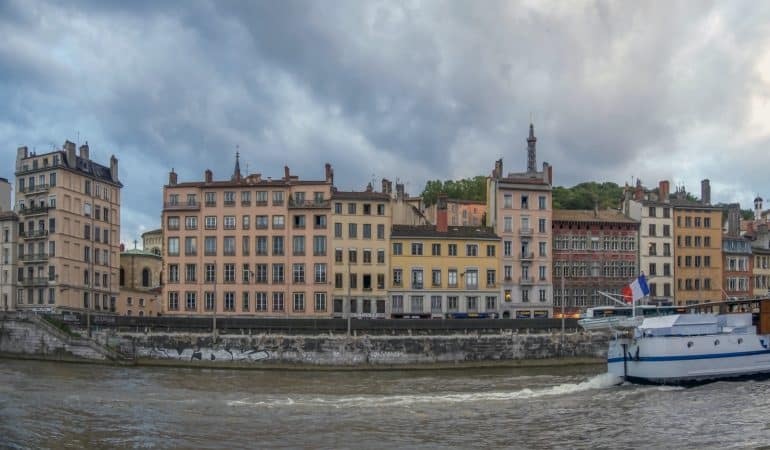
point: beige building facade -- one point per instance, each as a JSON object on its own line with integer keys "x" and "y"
{"x": 247, "y": 246}
{"x": 140, "y": 284}
{"x": 361, "y": 239}
{"x": 69, "y": 228}
{"x": 656, "y": 238}
{"x": 152, "y": 241}
{"x": 519, "y": 209}
{"x": 9, "y": 225}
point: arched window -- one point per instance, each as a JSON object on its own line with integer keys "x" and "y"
{"x": 122, "y": 277}
{"x": 146, "y": 277}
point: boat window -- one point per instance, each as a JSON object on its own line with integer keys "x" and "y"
{"x": 689, "y": 344}
{"x": 716, "y": 342}
{"x": 740, "y": 340}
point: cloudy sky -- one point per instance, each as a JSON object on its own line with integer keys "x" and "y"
{"x": 409, "y": 90}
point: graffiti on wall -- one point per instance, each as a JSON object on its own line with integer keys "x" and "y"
{"x": 206, "y": 354}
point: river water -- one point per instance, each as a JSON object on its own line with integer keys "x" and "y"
{"x": 51, "y": 405}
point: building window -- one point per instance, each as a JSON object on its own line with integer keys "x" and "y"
{"x": 416, "y": 248}
{"x": 397, "y": 277}
{"x": 278, "y": 301}
{"x": 416, "y": 303}
{"x": 260, "y": 301}
{"x": 173, "y": 301}
{"x": 320, "y": 301}
{"x": 471, "y": 250}
{"x": 229, "y": 301}
{"x": 229, "y": 273}
{"x": 436, "y": 277}
{"x": 299, "y": 302}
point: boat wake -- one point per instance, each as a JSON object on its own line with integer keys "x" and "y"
{"x": 602, "y": 381}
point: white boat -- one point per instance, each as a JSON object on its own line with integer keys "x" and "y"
{"x": 689, "y": 348}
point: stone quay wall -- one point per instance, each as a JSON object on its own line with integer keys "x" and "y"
{"x": 30, "y": 337}
{"x": 33, "y": 337}
{"x": 363, "y": 351}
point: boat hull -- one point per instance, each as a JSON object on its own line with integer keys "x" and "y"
{"x": 689, "y": 359}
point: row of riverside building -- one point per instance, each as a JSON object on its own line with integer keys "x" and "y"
{"x": 288, "y": 247}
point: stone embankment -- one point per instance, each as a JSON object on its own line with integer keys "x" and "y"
{"x": 31, "y": 336}
{"x": 365, "y": 351}
{"x": 34, "y": 337}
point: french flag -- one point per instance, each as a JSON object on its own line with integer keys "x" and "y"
{"x": 637, "y": 290}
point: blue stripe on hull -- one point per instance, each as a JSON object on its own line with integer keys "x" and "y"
{"x": 691, "y": 357}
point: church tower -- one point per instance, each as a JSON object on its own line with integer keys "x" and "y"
{"x": 531, "y": 151}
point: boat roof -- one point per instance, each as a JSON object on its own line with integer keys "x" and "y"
{"x": 678, "y": 320}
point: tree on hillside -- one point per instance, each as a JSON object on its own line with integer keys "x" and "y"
{"x": 465, "y": 189}
{"x": 584, "y": 196}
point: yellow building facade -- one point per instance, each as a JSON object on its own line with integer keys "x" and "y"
{"x": 443, "y": 272}
{"x": 698, "y": 251}
{"x": 360, "y": 240}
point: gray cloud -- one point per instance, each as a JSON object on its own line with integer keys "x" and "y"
{"x": 410, "y": 90}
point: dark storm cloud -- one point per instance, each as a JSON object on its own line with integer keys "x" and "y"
{"x": 409, "y": 90}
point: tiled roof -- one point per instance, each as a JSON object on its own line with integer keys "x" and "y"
{"x": 684, "y": 203}
{"x": 8, "y": 215}
{"x": 453, "y": 232}
{"x": 360, "y": 195}
{"x": 589, "y": 215}
{"x": 244, "y": 183}
{"x": 138, "y": 252}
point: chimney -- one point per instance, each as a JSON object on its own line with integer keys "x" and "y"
{"x": 400, "y": 191}
{"x": 21, "y": 152}
{"x": 441, "y": 214}
{"x": 663, "y": 191}
{"x": 208, "y": 176}
{"x": 113, "y": 166}
{"x": 548, "y": 173}
{"x": 705, "y": 191}
{"x": 172, "y": 177}
{"x": 329, "y": 173}
{"x": 286, "y": 173}
{"x": 84, "y": 151}
{"x": 757, "y": 208}
{"x": 734, "y": 220}
{"x": 596, "y": 207}
{"x": 385, "y": 183}
{"x": 638, "y": 191}
{"x": 69, "y": 148}
{"x": 498, "y": 172}
{"x": 369, "y": 187}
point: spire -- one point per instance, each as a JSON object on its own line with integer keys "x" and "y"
{"x": 531, "y": 151}
{"x": 237, "y": 171}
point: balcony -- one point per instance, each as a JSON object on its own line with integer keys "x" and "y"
{"x": 527, "y": 256}
{"x": 526, "y": 281}
{"x": 309, "y": 204}
{"x": 189, "y": 206}
{"x": 526, "y": 232}
{"x": 35, "y": 189}
{"x": 34, "y": 257}
{"x": 35, "y": 281}
{"x": 37, "y": 234}
{"x": 35, "y": 210}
